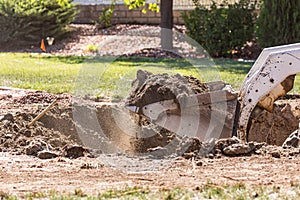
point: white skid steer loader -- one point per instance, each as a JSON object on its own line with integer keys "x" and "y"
{"x": 271, "y": 77}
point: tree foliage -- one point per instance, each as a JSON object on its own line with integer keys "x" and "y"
{"x": 137, "y": 4}
{"x": 279, "y": 22}
{"x": 28, "y": 21}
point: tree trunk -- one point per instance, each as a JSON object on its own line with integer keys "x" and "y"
{"x": 166, "y": 25}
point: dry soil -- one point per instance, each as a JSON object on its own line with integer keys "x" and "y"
{"x": 63, "y": 150}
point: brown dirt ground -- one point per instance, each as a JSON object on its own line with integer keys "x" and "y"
{"x": 21, "y": 173}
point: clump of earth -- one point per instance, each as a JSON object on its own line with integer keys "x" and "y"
{"x": 273, "y": 128}
{"x": 149, "y": 88}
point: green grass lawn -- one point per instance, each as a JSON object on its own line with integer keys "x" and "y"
{"x": 37, "y": 72}
{"x": 107, "y": 76}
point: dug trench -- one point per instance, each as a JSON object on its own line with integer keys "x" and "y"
{"x": 77, "y": 127}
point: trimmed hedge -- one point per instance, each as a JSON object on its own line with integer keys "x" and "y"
{"x": 278, "y": 22}
{"x": 28, "y": 21}
{"x": 223, "y": 29}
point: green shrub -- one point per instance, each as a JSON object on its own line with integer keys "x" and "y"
{"x": 28, "y": 21}
{"x": 278, "y": 22}
{"x": 222, "y": 29}
{"x": 92, "y": 48}
{"x": 105, "y": 17}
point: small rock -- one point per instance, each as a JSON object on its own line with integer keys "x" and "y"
{"x": 75, "y": 151}
{"x": 159, "y": 151}
{"x": 87, "y": 166}
{"x": 292, "y": 140}
{"x": 221, "y": 144}
{"x": 219, "y": 156}
{"x": 195, "y": 144}
{"x": 199, "y": 163}
{"x": 258, "y": 152}
{"x": 34, "y": 147}
{"x": 8, "y": 136}
{"x": 218, "y": 151}
{"x": 46, "y": 154}
{"x": 259, "y": 145}
{"x": 189, "y": 145}
{"x": 255, "y": 194}
{"x": 8, "y": 117}
{"x": 91, "y": 165}
{"x": 211, "y": 156}
{"x": 238, "y": 149}
{"x": 276, "y": 154}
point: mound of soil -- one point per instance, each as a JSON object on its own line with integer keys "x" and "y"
{"x": 54, "y": 132}
{"x": 148, "y": 88}
{"x": 20, "y": 138}
{"x": 57, "y": 133}
{"x": 274, "y": 128}
{"x": 95, "y": 126}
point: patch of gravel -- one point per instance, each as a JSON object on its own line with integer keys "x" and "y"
{"x": 128, "y": 40}
{"x": 121, "y": 39}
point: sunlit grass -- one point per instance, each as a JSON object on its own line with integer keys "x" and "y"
{"x": 37, "y": 72}
{"x": 108, "y": 76}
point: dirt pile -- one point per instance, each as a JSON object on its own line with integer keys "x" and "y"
{"x": 274, "y": 128}
{"x": 148, "y": 88}
{"x": 59, "y": 133}
{"x": 53, "y": 133}
{"x": 72, "y": 128}
{"x": 13, "y": 100}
